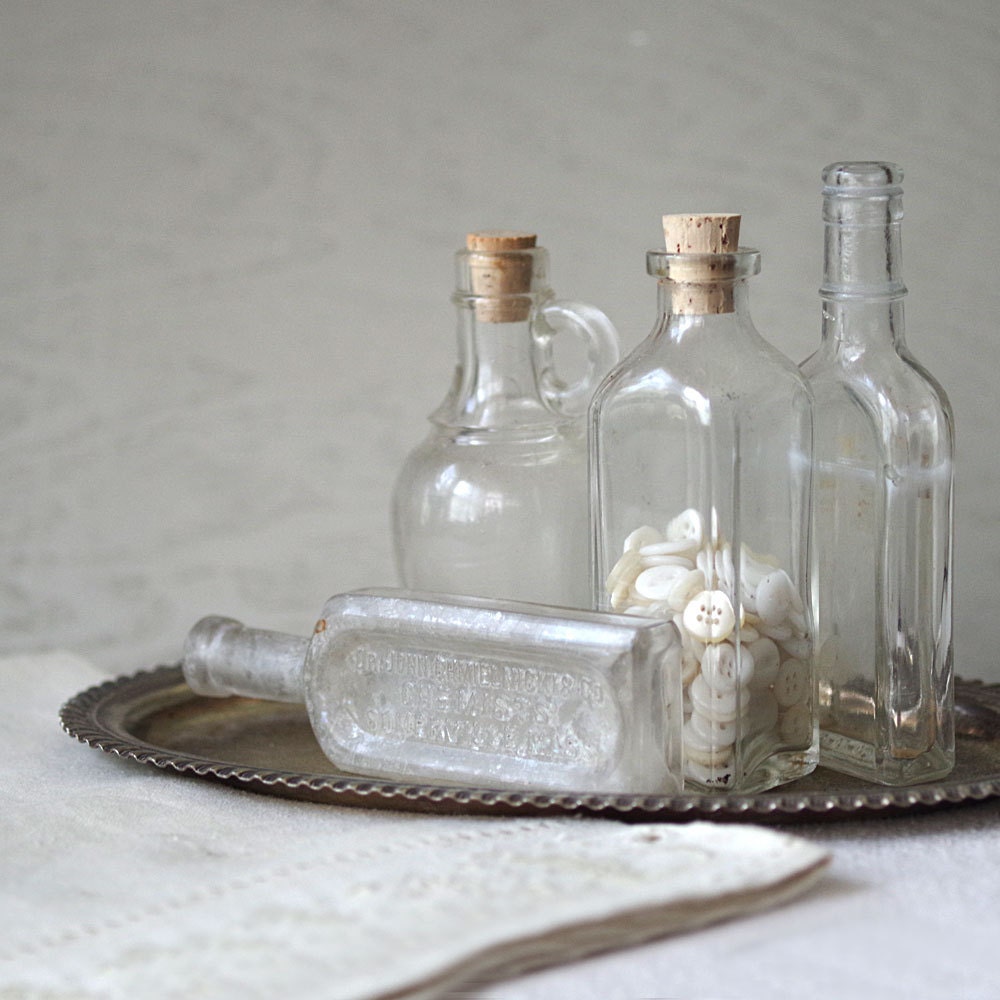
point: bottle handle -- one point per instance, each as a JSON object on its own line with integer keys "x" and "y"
{"x": 600, "y": 341}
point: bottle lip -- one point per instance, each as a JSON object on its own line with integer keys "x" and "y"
{"x": 701, "y": 268}
{"x": 862, "y": 179}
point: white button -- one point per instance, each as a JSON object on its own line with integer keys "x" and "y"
{"x": 718, "y": 706}
{"x": 681, "y": 548}
{"x": 779, "y": 633}
{"x": 717, "y": 735}
{"x": 664, "y": 560}
{"x": 774, "y": 597}
{"x": 686, "y": 587}
{"x": 646, "y": 535}
{"x": 754, "y": 567}
{"x": 793, "y": 683}
{"x": 766, "y": 660}
{"x": 797, "y": 726}
{"x": 697, "y": 748}
{"x": 656, "y": 610}
{"x": 709, "y": 616}
{"x": 656, "y": 583}
{"x": 620, "y": 595}
{"x": 724, "y": 669}
{"x": 687, "y": 526}
{"x": 798, "y": 647}
{"x": 625, "y": 570}
{"x": 748, "y": 634}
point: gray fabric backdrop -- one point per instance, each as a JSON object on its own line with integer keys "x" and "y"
{"x": 226, "y": 251}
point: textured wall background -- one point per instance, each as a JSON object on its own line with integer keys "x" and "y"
{"x": 226, "y": 251}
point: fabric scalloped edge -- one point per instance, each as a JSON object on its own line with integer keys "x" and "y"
{"x": 629, "y": 928}
{"x": 633, "y": 884}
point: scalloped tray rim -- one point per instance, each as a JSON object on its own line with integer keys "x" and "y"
{"x": 82, "y": 717}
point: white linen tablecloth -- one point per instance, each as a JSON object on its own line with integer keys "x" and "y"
{"x": 102, "y": 858}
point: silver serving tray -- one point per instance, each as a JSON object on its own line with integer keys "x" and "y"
{"x": 153, "y": 717}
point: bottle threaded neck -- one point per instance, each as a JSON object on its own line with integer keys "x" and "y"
{"x": 862, "y": 213}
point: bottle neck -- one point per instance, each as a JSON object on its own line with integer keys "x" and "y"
{"x": 702, "y": 292}
{"x": 681, "y": 316}
{"x": 862, "y": 288}
{"x": 497, "y": 294}
{"x": 495, "y": 384}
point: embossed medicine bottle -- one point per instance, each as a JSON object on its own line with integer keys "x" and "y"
{"x": 494, "y": 502}
{"x": 883, "y": 445}
{"x": 701, "y": 466}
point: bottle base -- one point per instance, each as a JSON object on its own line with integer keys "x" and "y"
{"x": 777, "y": 769}
{"x": 858, "y": 759}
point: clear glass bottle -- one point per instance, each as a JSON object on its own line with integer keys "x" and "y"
{"x": 701, "y": 469}
{"x": 502, "y": 694}
{"x": 884, "y": 483}
{"x": 494, "y": 502}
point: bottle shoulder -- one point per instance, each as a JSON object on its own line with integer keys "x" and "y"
{"x": 890, "y": 382}
{"x": 714, "y": 365}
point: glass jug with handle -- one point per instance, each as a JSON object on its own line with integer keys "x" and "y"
{"x": 494, "y": 501}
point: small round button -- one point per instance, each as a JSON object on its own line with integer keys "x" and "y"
{"x": 685, "y": 588}
{"x": 686, "y": 526}
{"x": 718, "y": 706}
{"x": 798, "y": 647}
{"x": 620, "y": 595}
{"x": 679, "y": 548}
{"x": 657, "y": 582}
{"x": 709, "y": 616}
{"x": 774, "y": 597}
{"x": 646, "y": 535}
{"x": 793, "y": 683}
{"x": 717, "y": 735}
{"x": 766, "y": 660}
{"x": 724, "y": 668}
{"x": 624, "y": 570}
{"x": 796, "y": 726}
{"x": 698, "y": 748}
{"x": 779, "y": 633}
{"x": 664, "y": 560}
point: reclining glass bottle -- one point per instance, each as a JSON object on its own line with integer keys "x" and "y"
{"x": 494, "y": 502}
{"x": 701, "y": 479}
{"x": 883, "y": 446}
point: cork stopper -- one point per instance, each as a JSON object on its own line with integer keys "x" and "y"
{"x": 702, "y": 290}
{"x": 501, "y": 274}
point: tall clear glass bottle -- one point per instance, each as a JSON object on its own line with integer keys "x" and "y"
{"x": 701, "y": 479}
{"x": 884, "y": 485}
{"x": 494, "y": 502}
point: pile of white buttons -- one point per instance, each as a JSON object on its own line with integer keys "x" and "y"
{"x": 765, "y": 688}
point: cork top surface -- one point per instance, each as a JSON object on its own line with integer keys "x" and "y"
{"x": 704, "y": 233}
{"x": 500, "y": 239}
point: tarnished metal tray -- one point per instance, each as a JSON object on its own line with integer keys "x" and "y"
{"x": 153, "y": 717}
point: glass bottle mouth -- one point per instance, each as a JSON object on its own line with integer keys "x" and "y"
{"x": 862, "y": 179}
{"x": 862, "y": 194}
{"x": 703, "y": 268}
